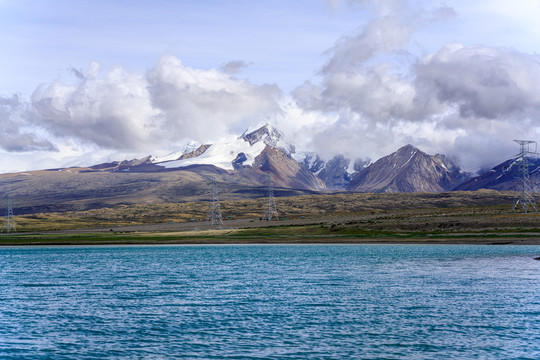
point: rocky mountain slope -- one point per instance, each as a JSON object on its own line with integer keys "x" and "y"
{"x": 253, "y": 154}
{"x": 241, "y": 171}
{"x": 336, "y": 173}
{"x": 241, "y": 165}
{"x": 503, "y": 177}
{"x": 408, "y": 170}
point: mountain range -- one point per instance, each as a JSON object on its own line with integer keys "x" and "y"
{"x": 243, "y": 165}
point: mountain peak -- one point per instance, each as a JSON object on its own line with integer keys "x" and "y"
{"x": 267, "y": 133}
{"x": 407, "y": 170}
{"x": 270, "y": 136}
{"x": 408, "y": 149}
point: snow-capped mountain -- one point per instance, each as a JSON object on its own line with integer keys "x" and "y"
{"x": 221, "y": 153}
{"x": 253, "y": 153}
{"x": 241, "y": 164}
{"x": 503, "y": 177}
{"x": 230, "y": 152}
{"x": 263, "y": 150}
{"x": 234, "y": 153}
{"x": 270, "y": 136}
{"x": 408, "y": 170}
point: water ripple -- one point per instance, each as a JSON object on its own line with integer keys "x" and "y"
{"x": 270, "y": 302}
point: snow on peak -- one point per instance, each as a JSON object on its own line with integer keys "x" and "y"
{"x": 188, "y": 148}
{"x": 270, "y": 136}
{"x": 227, "y": 150}
{"x": 222, "y": 153}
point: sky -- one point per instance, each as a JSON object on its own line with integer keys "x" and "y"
{"x": 84, "y": 82}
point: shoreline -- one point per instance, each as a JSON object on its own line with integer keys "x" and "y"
{"x": 159, "y": 239}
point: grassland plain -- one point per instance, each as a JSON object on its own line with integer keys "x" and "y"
{"x": 454, "y": 217}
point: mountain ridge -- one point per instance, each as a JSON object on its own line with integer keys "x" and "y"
{"x": 242, "y": 165}
{"x": 408, "y": 170}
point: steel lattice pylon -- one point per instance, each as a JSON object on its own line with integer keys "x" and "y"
{"x": 271, "y": 208}
{"x": 523, "y": 197}
{"x": 214, "y": 211}
{"x": 9, "y": 220}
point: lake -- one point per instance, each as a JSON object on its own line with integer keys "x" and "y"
{"x": 270, "y": 302}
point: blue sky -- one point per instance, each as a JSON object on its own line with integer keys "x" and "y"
{"x": 283, "y": 41}
{"x": 90, "y": 81}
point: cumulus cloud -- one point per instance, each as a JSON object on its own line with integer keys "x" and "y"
{"x": 465, "y": 101}
{"x": 468, "y": 102}
{"x": 378, "y": 93}
{"x": 203, "y": 104}
{"x": 14, "y": 133}
{"x": 485, "y": 96}
{"x": 380, "y": 35}
{"x": 372, "y": 95}
{"x": 485, "y": 82}
{"x": 113, "y": 112}
{"x": 171, "y": 102}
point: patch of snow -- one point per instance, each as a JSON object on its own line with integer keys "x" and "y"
{"x": 270, "y": 136}
{"x": 410, "y": 158}
{"x": 260, "y": 124}
{"x": 300, "y": 156}
{"x": 189, "y": 147}
{"x": 350, "y": 167}
{"x": 222, "y": 153}
{"x": 308, "y": 156}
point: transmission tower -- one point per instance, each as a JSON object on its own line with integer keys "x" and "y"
{"x": 9, "y": 220}
{"x": 271, "y": 209}
{"x": 523, "y": 196}
{"x": 214, "y": 211}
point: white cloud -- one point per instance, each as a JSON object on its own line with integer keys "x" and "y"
{"x": 484, "y": 82}
{"x": 15, "y": 134}
{"x": 460, "y": 100}
{"x": 203, "y": 105}
{"x": 112, "y": 112}
{"x": 381, "y": 35}
{"x": 127, "y": 111}
{"x": 372, "y": 95}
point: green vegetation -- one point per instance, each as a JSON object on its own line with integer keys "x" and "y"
{"x": 281, "y": 234}
{"x": 450, "y": 217}
{"x": 306, "y": 206}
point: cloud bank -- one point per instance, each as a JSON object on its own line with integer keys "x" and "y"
{"x": 171, "y": 102}
{"x": 14, "y": 133}
{"x": 466, "y": 101}
{"x": 372, "y": 95}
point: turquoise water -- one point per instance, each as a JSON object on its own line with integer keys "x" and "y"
{"x": 270, "y": 302}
